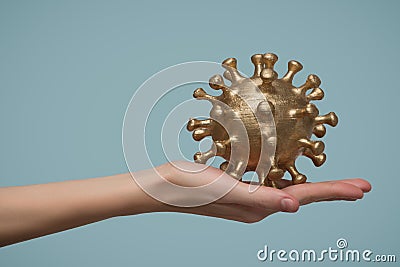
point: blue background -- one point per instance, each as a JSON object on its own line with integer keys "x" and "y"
{"x": 69, "y": 68}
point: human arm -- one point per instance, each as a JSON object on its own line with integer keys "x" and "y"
{"x": 31, "y": 211}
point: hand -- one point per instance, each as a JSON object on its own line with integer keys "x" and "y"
{"x": 244, "y": 206}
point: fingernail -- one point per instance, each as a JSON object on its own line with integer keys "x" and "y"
{"x": 288, "y": 205}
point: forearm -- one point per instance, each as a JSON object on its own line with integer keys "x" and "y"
{"x": 31, "y": 211}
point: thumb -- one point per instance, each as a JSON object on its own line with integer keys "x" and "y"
{"x": 263, "y": 197}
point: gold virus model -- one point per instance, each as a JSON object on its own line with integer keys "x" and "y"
{"x": 262, "y": 123}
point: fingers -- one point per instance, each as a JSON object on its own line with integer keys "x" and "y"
{"x": 263, "y": 197}
{"x": 332, "y": 190}
{"x": 364, "y": 185}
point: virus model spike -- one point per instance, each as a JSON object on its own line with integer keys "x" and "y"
{"x": 293, "y": 68}
{"x": 277, "y": 117}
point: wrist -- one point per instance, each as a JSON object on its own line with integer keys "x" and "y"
{"x": 130, "y": 199}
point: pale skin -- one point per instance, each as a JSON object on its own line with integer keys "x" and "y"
{"x": 32, "y": 211}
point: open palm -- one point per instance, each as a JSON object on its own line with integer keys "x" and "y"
{"x": 242, "y": 205}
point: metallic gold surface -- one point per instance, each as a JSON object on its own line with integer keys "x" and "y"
{"x": 278, "y": 125}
